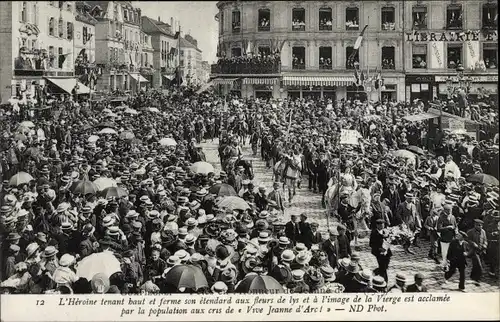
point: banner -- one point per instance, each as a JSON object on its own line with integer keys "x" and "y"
{"x": 472, "y": 55}
{"x": 456, "y": 125}
{"x": 349, "y": 137}
{"x": 437, "y": 54}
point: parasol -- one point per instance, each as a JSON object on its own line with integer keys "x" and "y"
{"x": 222, "y": 190}
{"x": 259, "y": 284}
{"x": 85, "y": 187}
{"x": 107, "y": 131}
{"x": 130, "y": 111}
{"x": 27, "y": 124}
{"x": 404, "y": 154}
{"x": 202, "y": 167}
{"x": 114, "y": 192}
{"x": 186, "y": 276}
{"x": 102, "y": 183}
{"x": 415, "y": 149}
{"x": 233, "y": 203}
{"x": 167, "y": 142}
{"x": 127, "y": 135}
{"x": 98, "y": 263}
{"x": 483, "y": 178}
{"x": 93, "y": 138}
{"x": 153, "y": 109}
{"x": 20, "y": 178}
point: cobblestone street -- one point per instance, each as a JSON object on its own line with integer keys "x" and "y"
{"x": 401, "y": 262}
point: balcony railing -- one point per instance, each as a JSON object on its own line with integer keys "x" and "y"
{"x": 298, "y": 66}
{"x": 264, "y": 28}
{"x": 246, "y": 68}
{"x": 42, "y": 72}
{"x": 325, "y": 27}
{"x": 351, "y": 26}
{"x": 325, "y": 66}
{"x": 454, "y": 25}
{"x": 298, "y": 27}
{"x": 419, "y": 25}
{"x": 388, "y": 26}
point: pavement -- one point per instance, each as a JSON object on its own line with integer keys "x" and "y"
{"x": 309, "y": 203}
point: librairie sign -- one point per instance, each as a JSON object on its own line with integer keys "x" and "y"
{"x": 469, "y": 35}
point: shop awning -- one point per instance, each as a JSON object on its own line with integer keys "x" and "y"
{"x": 420, "y": 117}
{"x": 261, "y": 81}
{"x": 223, "y": 81}
{"x": 138, "y": 77}
{"x": 318, "y": 80}
{"x": 68, "y": 84}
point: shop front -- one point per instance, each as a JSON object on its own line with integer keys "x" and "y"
{"x": 422, "y": 87}
{"x": 317, "y": 87}
{"x": 482, "y": 87}
{"x": 260, "y": 87}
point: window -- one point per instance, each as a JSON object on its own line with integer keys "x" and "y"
{"x": 352, "y": 18}
{"x": 388, "y": 18}
{"x": 325, "y": 57}
{"x": 125, "y": 14}
{"x": 454, "y": 17}
{"x": 52, "y": 57}
{"x": 60, "y": 28}
{"x": 490, "y": 15}
{"x": 419, "y": 15}
{"x": 298, "y": 57}
{"x": 235, "y": 52}
{"x": 352, "y": 57}
{"x": 419, "y": 56}
{"x": 35, "y": 13}
{"x": 325, "y": 19}
{"x": 52, "y": 26}
{"x": 61, "y": 58}
{"x": 298, "y": 19}
{"x": 221, "y": 29}
{"x": 388, "y": 58}
{"x": 454, "y": 55}
{"x": 236, "y": 21}
{"x": 68, "y": 6}
{"x": 490, "y": 55}
{"x": 264, "y": 20}
{"x": 69, "y": 30}
{"x": 24, "y": 11}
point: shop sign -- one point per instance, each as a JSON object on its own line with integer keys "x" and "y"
{"x": 420, "y": 79}
{"x": 474, "y": 79}
{"x": 469, "y": 35}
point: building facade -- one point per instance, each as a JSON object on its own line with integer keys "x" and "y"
{"x": 165, "y": 54}
{"x": 37, "y": 49}
{"x": 439, "y": 36}
{"x": 315, "y": 41}
{"x": 84, "y": 45}
{"x": 190, "y": 61}
{"x": 146, "y": 68}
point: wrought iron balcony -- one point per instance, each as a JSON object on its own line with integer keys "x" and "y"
{"x": 42, "y": 72}
{"x": 246, "y": 68}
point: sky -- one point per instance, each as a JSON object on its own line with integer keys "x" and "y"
{"x": 196, "y": 18}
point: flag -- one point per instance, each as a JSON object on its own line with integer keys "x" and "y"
{"x": 378, "y": 80}
{"x": 362, "y": 77}
{"x": 356, "y": 75}
{"x": 359, "y": 40}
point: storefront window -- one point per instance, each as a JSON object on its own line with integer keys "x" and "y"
{"x": 325, "y": 19}
{"x": 298, "y": 19}
{"x": 352, "y": 18}
{"x": 454, "y": 55}
{"x": 454, "y": 17}
{"x": 419, "y": 56}
{"x": 298, "y": 57}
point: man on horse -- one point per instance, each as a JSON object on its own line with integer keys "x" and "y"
{"x": 291, "y": 172}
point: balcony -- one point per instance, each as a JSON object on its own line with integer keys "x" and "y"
{"x": 264, "y": 28}
{"x": 388, "y": 26}
{"x": 246, "y": 67}
{"x": 299, "y": 27}
{"x": 419, "y": 25}
{"x": 298, "y": 66}
{"x": 326, "y": 27}
{"x": 43, "y": 73}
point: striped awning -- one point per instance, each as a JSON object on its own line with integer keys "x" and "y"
{"x": 318, "y": 80}
{"x": 223, "y": 81}
{"x": 261, "y": 81}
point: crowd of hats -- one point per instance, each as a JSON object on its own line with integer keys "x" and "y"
{"x": 167, "y": 217}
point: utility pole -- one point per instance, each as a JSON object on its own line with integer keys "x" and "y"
{"x": 178, "y": 71}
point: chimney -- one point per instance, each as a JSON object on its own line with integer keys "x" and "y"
{"x": 159, "y": 19}
{"x": 171, "y": 22}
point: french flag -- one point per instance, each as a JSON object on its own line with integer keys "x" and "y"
{"x": 358, "y": 42}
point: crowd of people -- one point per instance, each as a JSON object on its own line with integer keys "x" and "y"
{"x": 119, "y": 199}
{"x": 262, "y": 63}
